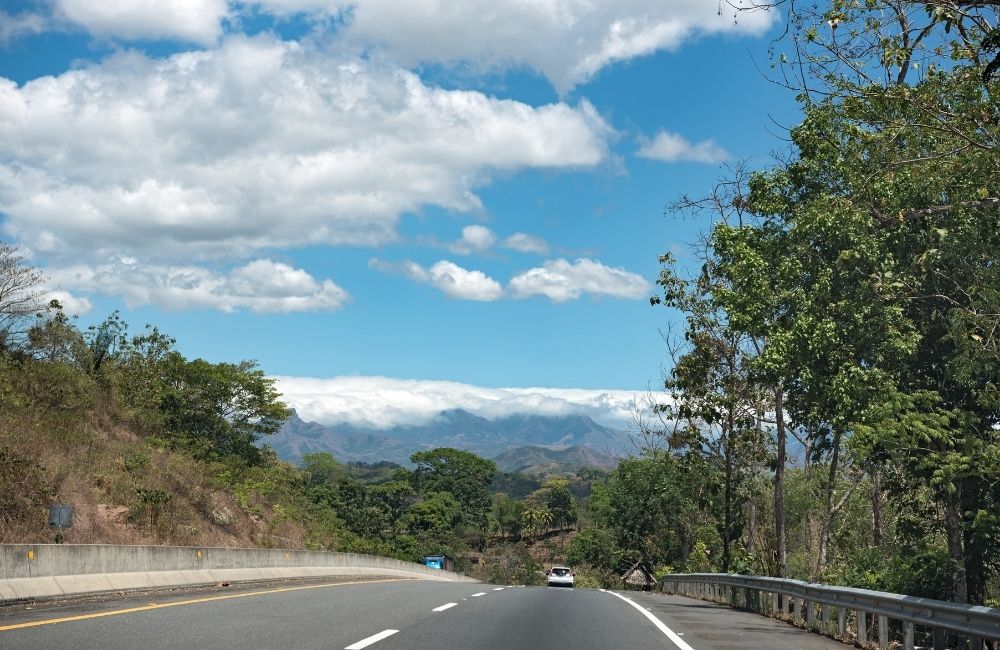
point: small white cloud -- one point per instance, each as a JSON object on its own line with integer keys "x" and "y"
{"x": 262, "y": 286}
{"x": 475, "y": 239}
{"x": 384, "y": 402}
{"x": 525, "y": 243}
{"x": 461, "y": 283}
{"x": 559, "y": 281}
{"x": 448, "y": 277}
{"x": 72, "y": 305}
{"x": 26, "y": 23}
{"x": 671, "y": 147}
{"x": 196, "y": 21}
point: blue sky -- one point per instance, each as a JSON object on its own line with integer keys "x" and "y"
{"x": 380, "y": 199}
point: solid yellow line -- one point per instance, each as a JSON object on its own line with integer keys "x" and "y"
{"x": 194, "y": 601}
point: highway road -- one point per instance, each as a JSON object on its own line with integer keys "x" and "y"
{"x": 384, "y": 614}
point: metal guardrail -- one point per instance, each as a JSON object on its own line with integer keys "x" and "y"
{"x": 814, "y": 605}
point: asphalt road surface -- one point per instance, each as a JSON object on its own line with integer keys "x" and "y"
{"x": 391, "y": 614}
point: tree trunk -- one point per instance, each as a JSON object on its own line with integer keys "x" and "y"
{"x": 831, "y": 485}
{"x": 727, "y": 534}
{"x": 953, "y": 523}
{"x": 779, "y": 484}
{"x": 877, "y": 508}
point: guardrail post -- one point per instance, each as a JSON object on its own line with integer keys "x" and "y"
{"x": 810, "y": 614}
{"x": 975, "y": 643}
{"x": 842, "y": 622}
{"x": 825, "y": 617}
{"x": 862, "y": 628}
{"x": 907, "y": 635}
{"x": 883, "y": 632}
{"x": 775, "y": 604}
{"x": 939, "y": 638}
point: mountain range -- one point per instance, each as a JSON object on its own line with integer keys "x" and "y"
{"x": 517, "y": 442}
{"x": 545, "y": 460}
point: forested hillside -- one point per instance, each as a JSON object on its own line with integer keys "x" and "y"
{"x": 151, "y": 447}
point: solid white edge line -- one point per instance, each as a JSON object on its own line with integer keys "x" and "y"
{"x": 497, "y": 588}
{"x": 679, "y": 642}
{"x": 375, "y": 638}
{"x": 444, "y": 607}
{"x": 481, "y": 593}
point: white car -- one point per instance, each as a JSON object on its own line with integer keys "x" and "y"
{"x": 560, "y": 576}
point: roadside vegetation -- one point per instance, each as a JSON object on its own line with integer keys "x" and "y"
{"x": 847, "y": 297}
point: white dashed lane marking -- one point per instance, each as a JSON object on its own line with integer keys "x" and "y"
{"x": 375, "y": 638}
{"x": 444, "y": 607}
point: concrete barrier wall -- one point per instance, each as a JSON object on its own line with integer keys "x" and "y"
{"x": 29, "y": 571}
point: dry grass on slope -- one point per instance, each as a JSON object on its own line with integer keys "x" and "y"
{"x": 123, "y": 489}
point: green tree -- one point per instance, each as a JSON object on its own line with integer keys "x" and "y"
{"x": 393, "y": 498}
{"x": 462, "y": 474}
{"x": 508, "y": 515}
{"x": 435, "y": 517}
{"x": 596, "y": 548}
{"x": 879, "y": 242}
{"x": 655, "y": 506}
{"x": 54, "y": 338}
{"x": 716, "y": 402}
{"x": 220, "y": 410}
{"x": 559, "y": 500}
{"x": 322, "y": 468}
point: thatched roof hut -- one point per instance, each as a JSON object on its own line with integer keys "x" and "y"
{"x": 639, "y": 576}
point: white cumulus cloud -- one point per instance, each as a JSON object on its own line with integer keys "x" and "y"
{"x": 568, "y": 41}
{"x": 258, "y": 143}
{"x": 261, "y": 286}
{"x": 525, "y": 243}
{"x": 671, "y": 147}
{"x": 384, "y": 402}
{"x": 448, "y": 277}
{"x": 197, "y": 21}
{"x": 475, "y": 239}
{"x": 560, "y": 280}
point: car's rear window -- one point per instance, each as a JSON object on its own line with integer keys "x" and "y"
{"x": 560, "y": 572}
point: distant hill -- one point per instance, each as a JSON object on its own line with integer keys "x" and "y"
{"x": 543, "y": 460}
{"x": 453, "y": 428}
